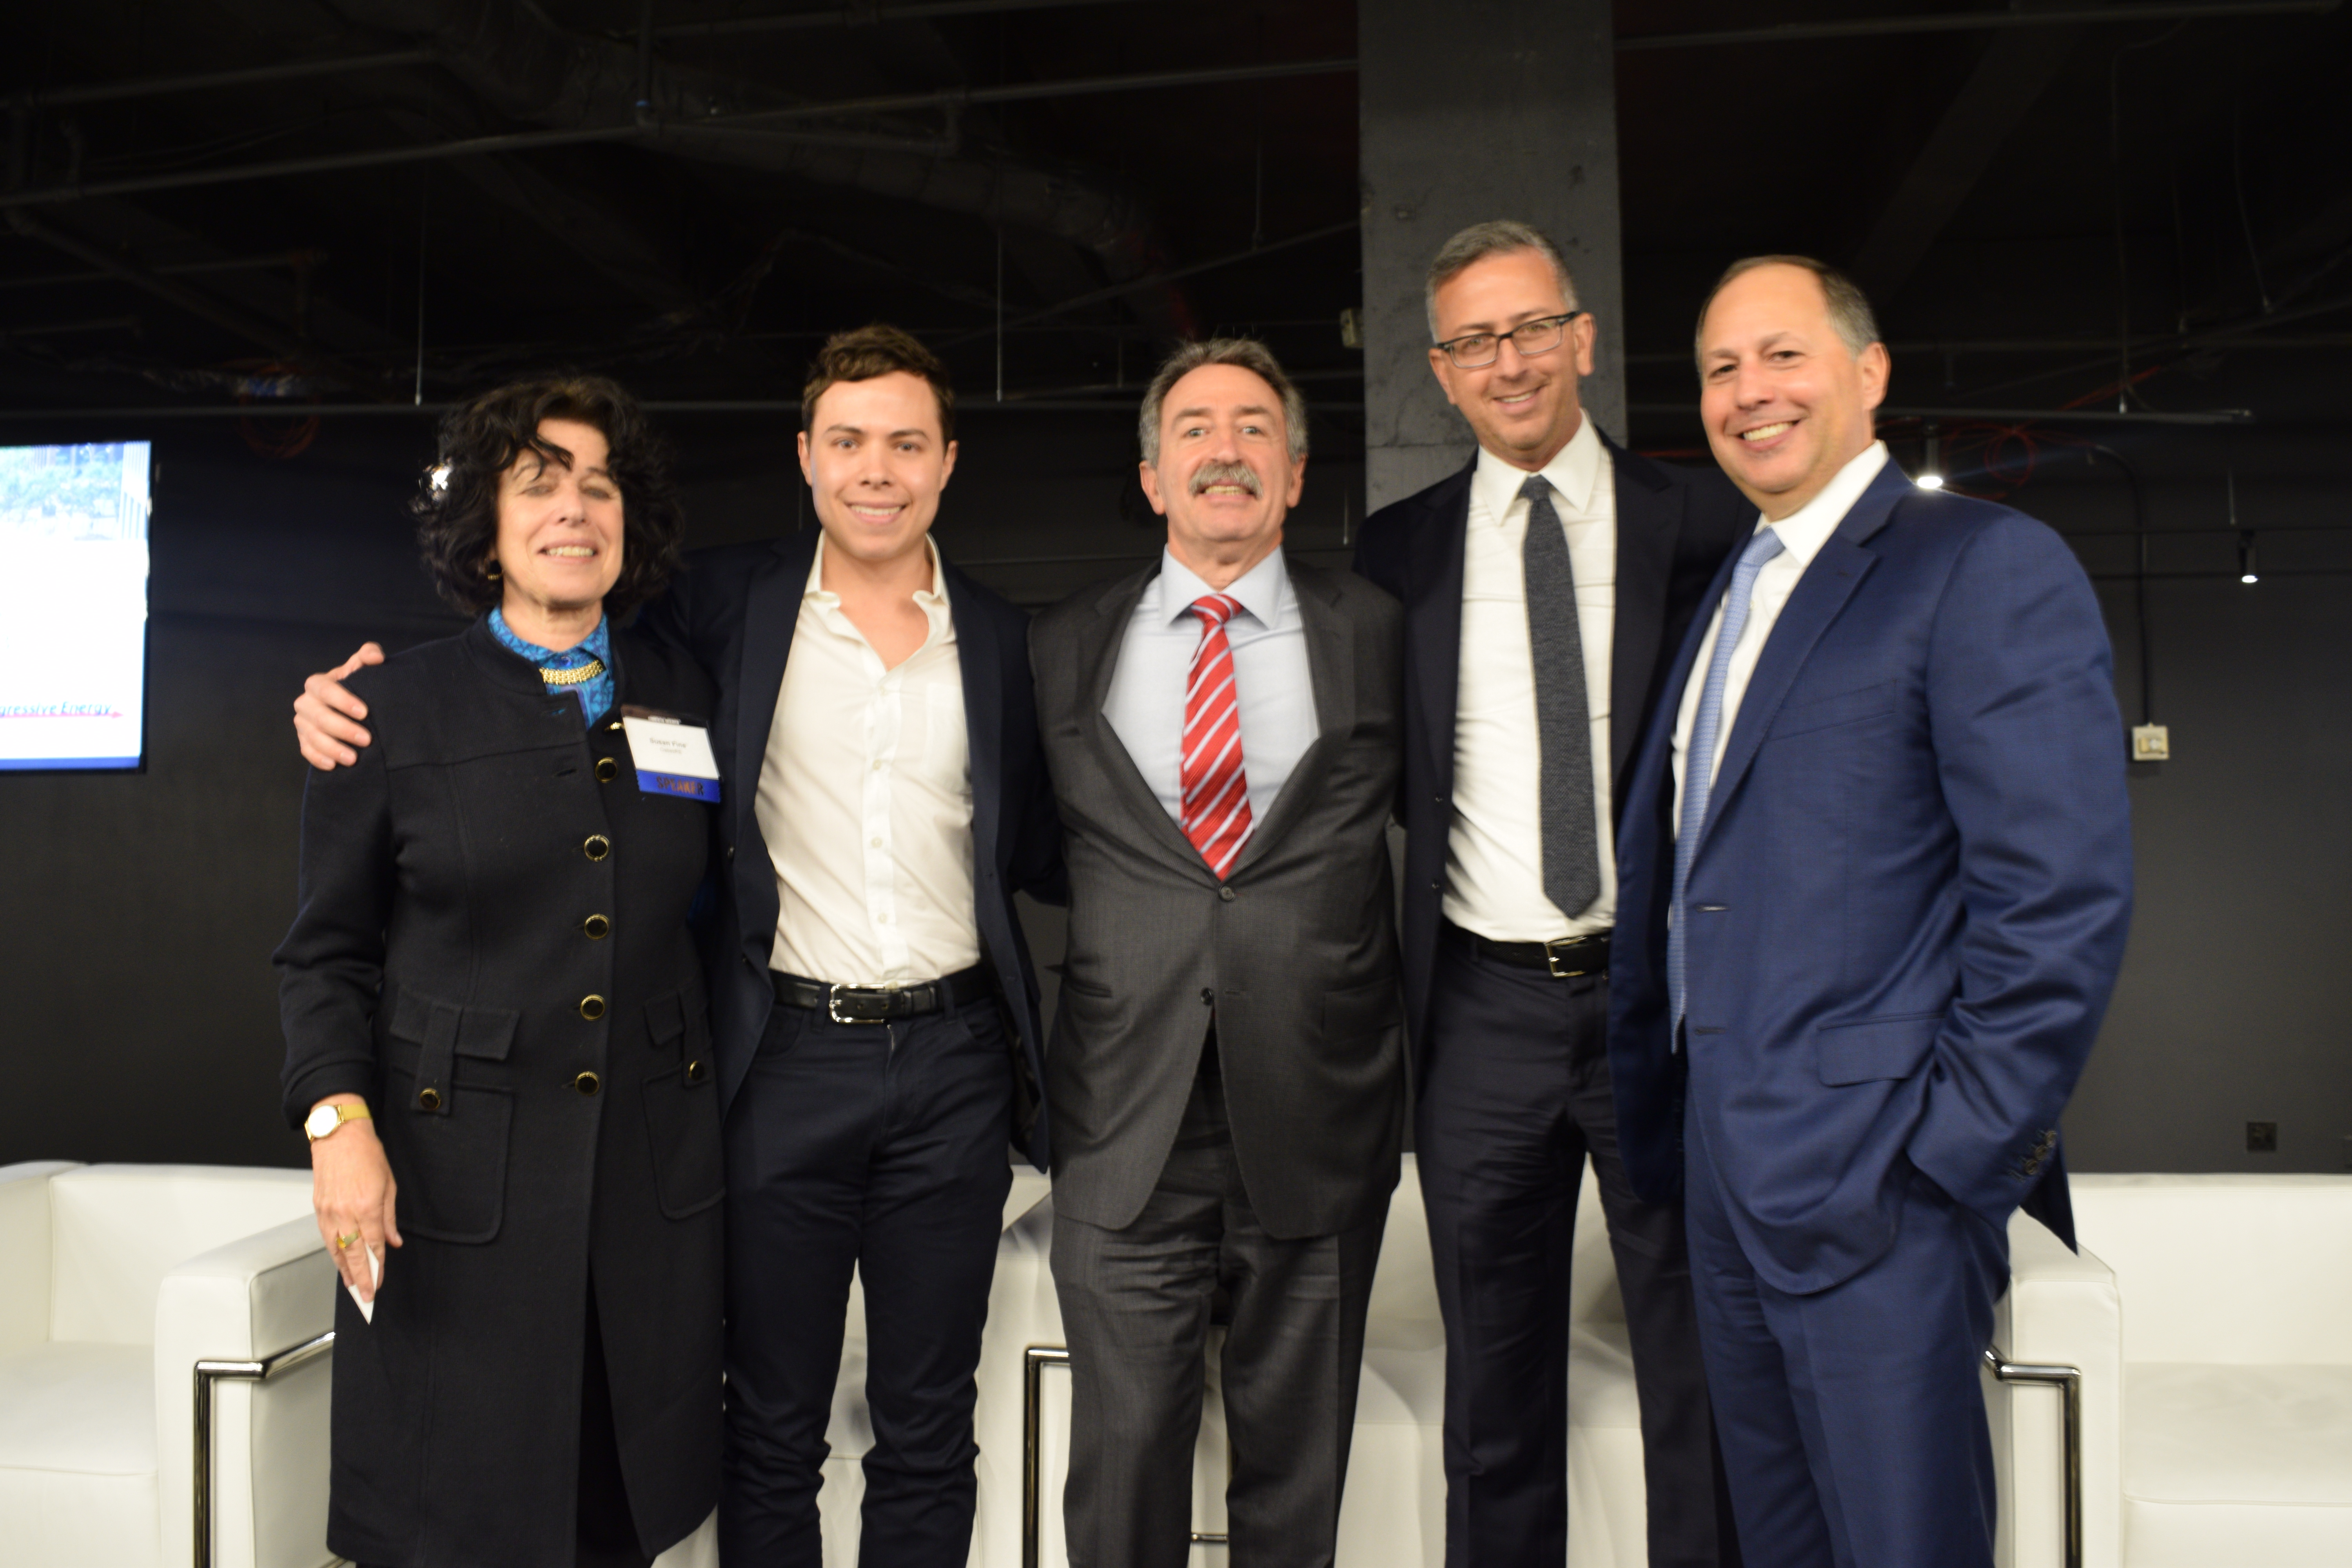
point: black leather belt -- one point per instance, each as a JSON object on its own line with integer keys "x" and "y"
{"x": 882, "y": 1003}
{"x": 1568, "y": 958}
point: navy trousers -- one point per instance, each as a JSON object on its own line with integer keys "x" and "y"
{"x": 881, "y": 1148}
{"x": 1853, "y": 1419}
{"x": 1517, "y": 1094}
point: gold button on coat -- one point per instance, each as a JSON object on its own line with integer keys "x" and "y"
{"x": 596, "y": 846}
{"x": 588, "y": 1083}
{"x": 592, "y": 1008}
{"x": 596, "y": 928}
{"x": 608, "y": 770}
{"x": 696, "y": 1073}
{"x": 428, "y": 1099}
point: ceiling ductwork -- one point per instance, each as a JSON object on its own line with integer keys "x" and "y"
{"x": 527, "y": 67}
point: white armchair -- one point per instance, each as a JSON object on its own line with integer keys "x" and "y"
{"x": 2233, "y": 1423}
{"x": 116, "y": 1281}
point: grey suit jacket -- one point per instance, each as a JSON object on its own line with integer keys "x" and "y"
{"x": 1295, "y": 952}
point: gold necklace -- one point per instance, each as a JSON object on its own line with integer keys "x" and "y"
{"x": 586, "y": 672}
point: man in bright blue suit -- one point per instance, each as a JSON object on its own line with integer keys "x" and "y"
{"x": 1874, "y": 877}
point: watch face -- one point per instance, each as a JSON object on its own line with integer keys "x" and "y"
{"x": 322, "y": 1122}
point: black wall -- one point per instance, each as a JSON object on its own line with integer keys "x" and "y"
{"x": 137, "y": 914}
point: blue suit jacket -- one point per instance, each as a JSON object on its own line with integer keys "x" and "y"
{"x": 734, "y": 609}
{"x": 1909, "y": 897}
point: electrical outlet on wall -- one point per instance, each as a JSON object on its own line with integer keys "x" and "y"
{"x": 2261, "y": 1137}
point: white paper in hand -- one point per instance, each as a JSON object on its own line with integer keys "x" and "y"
{"x": 375, "y": 1281}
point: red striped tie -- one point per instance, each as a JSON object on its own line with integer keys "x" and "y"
{"x": 1217, "y": 794}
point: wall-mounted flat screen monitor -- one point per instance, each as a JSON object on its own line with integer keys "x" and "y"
{"x": 73, "y": 606}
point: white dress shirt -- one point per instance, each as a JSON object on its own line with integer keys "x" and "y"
{"x": 865, "y": 799}
{"x": 1275, "y": 694}
{"x": 1494, "y": 851}
{"x": 1802, "y": 535}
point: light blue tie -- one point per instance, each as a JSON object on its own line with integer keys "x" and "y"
{"x": 1698, "y": 762}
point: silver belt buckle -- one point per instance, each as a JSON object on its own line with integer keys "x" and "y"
{"x": 1552, "y": 949}
{"x": 833, "y": 1006}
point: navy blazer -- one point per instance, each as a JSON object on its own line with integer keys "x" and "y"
{"x": 1909, "y": 897}
{"x": 1674, "y": 526}
{"x": 734, "y": 609}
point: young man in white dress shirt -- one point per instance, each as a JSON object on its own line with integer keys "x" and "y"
{"x": 872, "y": 1006}
{"x": 1532, "y": 655}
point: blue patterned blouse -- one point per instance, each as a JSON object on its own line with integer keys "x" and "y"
{"x": 596, "y": 694}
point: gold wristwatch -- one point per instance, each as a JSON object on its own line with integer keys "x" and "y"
{"x": 325, "y": 1119}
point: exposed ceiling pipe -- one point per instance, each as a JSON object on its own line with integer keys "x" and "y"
{"x": 871, "y": 15}
{"x": 284, "y": 346}
{"x": 521, "y": 62}
{"x": 250, "y": 76}
{"x": 1977, "y": 22}
{"x": 1781, "y": 33}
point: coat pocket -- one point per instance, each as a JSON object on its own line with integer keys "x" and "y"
{"x": 1845, "y": 708}
{"x": 681, "y": 1103}
{"x": 451, "y": 1159}
{"x": 1875, "y": 1048}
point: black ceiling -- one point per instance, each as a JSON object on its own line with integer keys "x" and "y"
{"x": 697, "y": 245}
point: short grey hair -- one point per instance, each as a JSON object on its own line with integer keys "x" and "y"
{"x": 1246, "y": 353}
{"x": 1481, "y": 240}
{"x": 1850, "y": 313}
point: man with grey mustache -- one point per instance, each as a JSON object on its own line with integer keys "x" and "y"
{"x": 1226, "y": 1075}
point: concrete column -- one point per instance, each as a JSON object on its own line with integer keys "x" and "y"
{"x": 1474, "y": 110}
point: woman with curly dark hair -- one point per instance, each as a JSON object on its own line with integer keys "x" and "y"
{"x": 495, "y": 1032}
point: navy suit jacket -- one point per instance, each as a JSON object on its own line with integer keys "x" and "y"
{"x": 1909, "y": 897}
{"x": 1674, "y": 526}
{"x": 734, "y": 609}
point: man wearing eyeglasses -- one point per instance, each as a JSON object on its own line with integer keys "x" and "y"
{"x": 1545, "y": 587}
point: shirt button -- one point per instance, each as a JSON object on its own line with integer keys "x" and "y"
{"x": 878, "y": 767}
{"x": 881, "y": 920}
{"x": 877, "y": 844}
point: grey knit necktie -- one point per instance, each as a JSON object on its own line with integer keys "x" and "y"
{"x": 1571, "y": 857}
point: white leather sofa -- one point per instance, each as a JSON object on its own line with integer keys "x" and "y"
{"x": 115, "y": 1281}
{"x": 2061, "y": 1311}
{"x": 2235, "y": 1357}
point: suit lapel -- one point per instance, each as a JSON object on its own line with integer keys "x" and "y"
{"x": 1432, "y": 611}
{"x": 1821, "y": 593}
{"x": 982, "y": 662}
{"x": 1649, "y": 521}
{"x": 1331, "y": 669}
{"x": 1100, "y": 654}
{"x": 771, "y": 608}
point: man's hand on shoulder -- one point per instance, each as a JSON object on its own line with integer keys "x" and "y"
{"x": 327, "y": 716}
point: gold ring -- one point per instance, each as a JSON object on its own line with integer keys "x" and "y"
{"x": 347, "y": 1241}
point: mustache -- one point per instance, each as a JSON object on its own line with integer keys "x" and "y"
{"x": 1225, "y": 474}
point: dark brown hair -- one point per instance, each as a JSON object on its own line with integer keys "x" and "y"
{"x": 877, "y": 350}
{"x": 456, "y": 502}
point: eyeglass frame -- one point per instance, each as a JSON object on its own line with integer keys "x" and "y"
{"x": 1561, "y": 321}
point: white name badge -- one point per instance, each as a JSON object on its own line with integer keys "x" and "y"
{"x": 673, "y": 757}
